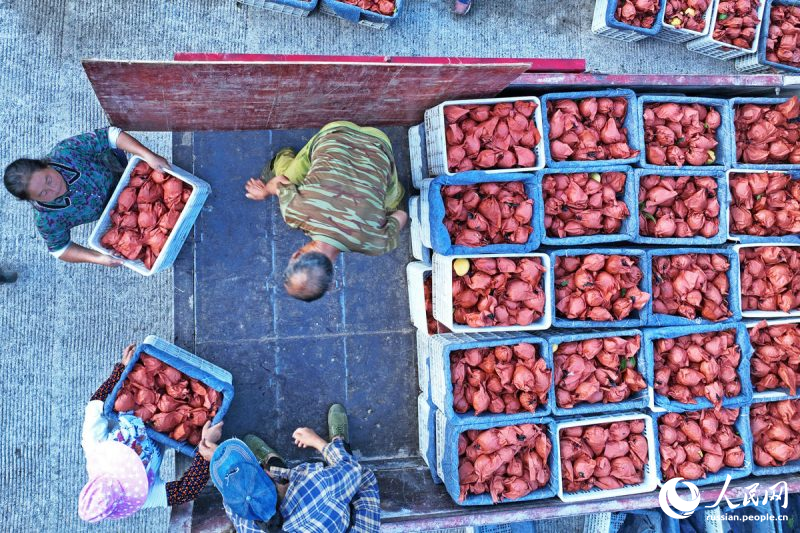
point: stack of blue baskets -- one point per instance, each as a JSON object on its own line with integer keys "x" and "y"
{"x": 647, "y": 324}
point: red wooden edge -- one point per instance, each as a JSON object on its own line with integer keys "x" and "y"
{"x": 536, "y": 64}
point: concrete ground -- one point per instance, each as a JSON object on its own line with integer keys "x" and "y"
{"x": 63, "y": 326}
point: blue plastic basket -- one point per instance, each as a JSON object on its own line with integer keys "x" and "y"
{"x": 442, "y": 386}
{"x": 748, "y": 239}
{"x": 447, "y": 432}
{"x": 434, "y": 222}
{"x": 639, "y": 400}
{"x": 741, "y": 100}
{"x": 357, "y": 15}
{"x": 724, "y": 157}
{"x": 789, "y": 468}
{"x": 742, "y": 426}
{"x": 426, "y": 426}
{"x": 638, "y": 318}
{"x": 176, "y": 238}
{"x": 722, "y": 196}
{"x": 300, "y": 8}
{"x": 631, "y": 123}
{"x": 659, "y": 319}
{"x": 780, "y": 393}
{"x": 743, "y": 370}
{"x": 605, "y": 23}
{"x": 191, "y": 365}
{"x": 630, "y": 226}
{"x": 764, "y": 33}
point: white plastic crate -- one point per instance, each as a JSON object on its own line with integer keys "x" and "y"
{"x": 682, "y": 35}
{"x": 728, "y": 174}
{"x": 418, "y": 154}
{"x": 758, "y": 313}
{"x": 280, "y": 8}
{"x": 770, "y": 395}
{"x": 178, "y": 234}
{"x": 443, "y": 294}
{"x": 750, "y": 64}
{"x": 600, "y": 27}
{"x": 416, "y": 273}
{"x": 426, "y": 430}
{"x": 650, "y": 480}
{"x": 438, "y": 365}
{"x": 436, "y": 144}
{"x": 425, "y": 213}
{"x": 424, "y": 361}
{"x": 707, "y": 46}
{"x": 418, "y": 249}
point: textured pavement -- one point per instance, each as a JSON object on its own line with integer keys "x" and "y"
{"x": 63, "y": 326}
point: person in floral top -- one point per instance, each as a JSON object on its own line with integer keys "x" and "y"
{"x": 72, "y": 185}
{"x": 123, "y": 462}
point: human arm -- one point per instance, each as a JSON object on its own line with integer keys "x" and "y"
{"x": 366, "y": 505}
{"x": 258, "y": 190}
{"x": 131, "y": 145}
{"x": 188, "y": 487}
{"x": 195, "y": 478}
{"x": 75, "y": 253}
{"x": 109, "y": 384}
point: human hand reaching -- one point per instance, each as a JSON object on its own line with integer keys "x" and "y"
{"x": 308, "y": 438}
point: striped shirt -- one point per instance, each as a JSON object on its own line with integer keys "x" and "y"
{"x": 344, "y": 186}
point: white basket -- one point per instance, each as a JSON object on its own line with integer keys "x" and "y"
{"x": 443, "y": 294}
{"x": 599, "y": 25}
{"x": 763, "y": 314}
{"x": 707, "y": 46}
{"x": 436, "y": 143}
{"x": 418, "y": 249}
{"x": 648, "y": 484}
{"x": 751, "y": 65}
{"x": 772, "y": 395}
{"x": 416, "y": 273}
{"x": 417, "y": 154}
{"x": 178, "y": 234}
{"x": 682, "y": 35}
{"x": 424, "y": 361}
{"x": 274, "y": 6}
{"x": 438, "y": 364}
{"x": 425, "y": 213}
{"x": 427, "y": 439}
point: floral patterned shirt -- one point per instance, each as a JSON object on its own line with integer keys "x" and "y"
{"x": 91, "y": 167}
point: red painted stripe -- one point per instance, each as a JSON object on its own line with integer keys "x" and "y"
{"x": 536, "y": 64}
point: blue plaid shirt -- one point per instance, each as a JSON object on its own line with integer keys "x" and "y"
{"x": 341, "y": 497}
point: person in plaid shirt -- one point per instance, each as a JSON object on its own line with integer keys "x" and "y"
{"x": 260, "y": 493}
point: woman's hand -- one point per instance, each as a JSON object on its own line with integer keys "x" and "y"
{"x": 209, "y": 437}
{"x": 106, "y": 260}
{"x": 308, "y": 438}
{"x": 157, "y": 162}
{"x": 211, "y": 434}
{"x": 127, "y": 354}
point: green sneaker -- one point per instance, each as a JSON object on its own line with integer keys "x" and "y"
{"x": 268, "y": 172}
{"x": 337, "y": 422}
{"x": 261, "y": 449}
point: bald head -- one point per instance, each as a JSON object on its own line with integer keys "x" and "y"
{"x": 308, "y": 276}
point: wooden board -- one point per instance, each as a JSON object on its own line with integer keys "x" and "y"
{"x": 534, "y": 64}
{"x": 195, "y": 96}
